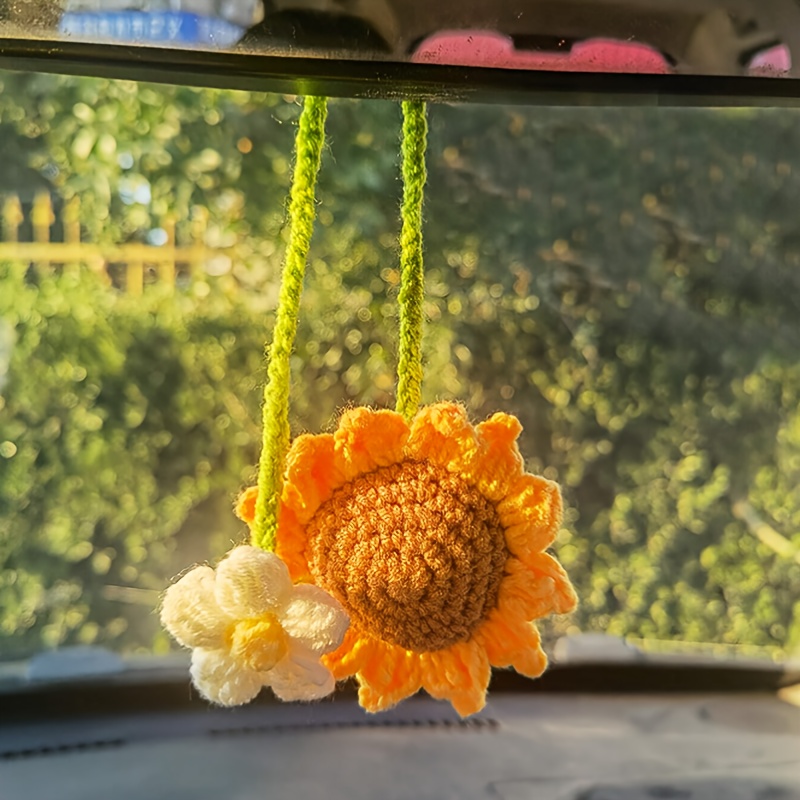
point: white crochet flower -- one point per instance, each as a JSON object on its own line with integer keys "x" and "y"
{"x": 249, "y": 627}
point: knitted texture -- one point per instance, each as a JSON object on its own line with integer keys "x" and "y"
{"x": 412, "y": 276}
{"x": 435, "y": 518}
{"x": 250, "y": 628}
{"x": 302, "y": 211}
{"x": 415, "y": 552}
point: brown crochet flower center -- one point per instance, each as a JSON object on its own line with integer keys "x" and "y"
{"x": 414, "y": 554}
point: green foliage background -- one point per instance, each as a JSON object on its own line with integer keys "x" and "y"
{"x": 627, "y": 281}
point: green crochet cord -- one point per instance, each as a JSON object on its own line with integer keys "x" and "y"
{"x": 412, "y": 276}
{"x": 275, "y": 414}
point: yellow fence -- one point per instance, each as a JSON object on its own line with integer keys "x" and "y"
{"x": 134, "y": 259}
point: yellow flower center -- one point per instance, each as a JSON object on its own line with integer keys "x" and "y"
{"x": 414, "y": 553}
{"x": 258, "y": 643}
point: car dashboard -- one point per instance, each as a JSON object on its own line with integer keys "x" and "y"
{"x": 637, "y": 731}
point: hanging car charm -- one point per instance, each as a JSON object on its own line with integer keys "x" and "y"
{"x": 420, "y": 528}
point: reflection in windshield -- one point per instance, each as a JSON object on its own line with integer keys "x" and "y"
{"x": 190, "y": 22}
{"x": 716, "y": 38}
{"x": 625, "y": 281}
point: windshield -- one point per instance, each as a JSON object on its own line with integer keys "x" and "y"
{"x": 713, "y": 37}
{"x": 625, "y": 281}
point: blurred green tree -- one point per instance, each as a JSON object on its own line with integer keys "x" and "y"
{"x": 625, "y": 280}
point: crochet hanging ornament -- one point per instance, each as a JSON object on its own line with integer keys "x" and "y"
{"x": 420, "y": 528}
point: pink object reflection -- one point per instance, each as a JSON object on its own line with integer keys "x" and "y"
{"x": 776, "y": 61}
{"x": 486, "y": 49}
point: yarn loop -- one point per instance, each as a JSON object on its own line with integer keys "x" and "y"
{"x": 275, "y": 415}
{"x": 412, "y": 275}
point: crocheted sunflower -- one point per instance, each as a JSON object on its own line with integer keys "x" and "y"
{"x": 432, "y": 537}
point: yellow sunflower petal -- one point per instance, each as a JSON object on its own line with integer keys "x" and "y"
{"x": 443, "y": 435}
{"x": 531, "y": 661}
{"x": 375, "y": 699}
{"x": 544, "y": 566}
{"x": 354, "y": 651}
{"x": 498, "y": 464}
{"x": 313, "y": 473}
{"x": 387, "y": 680}
{"x": 291, "y": 546}
{"x": 535, "y": 589}
{"x": 366, "y": 440}
{"x": 459, "y": 674}
{"x": 379, "y": 670}
{"x": 501, "y": 637}
{"x": 512, "y": 643}
{"x": 246, "y": 505}
{"x": 531, "y": 514}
